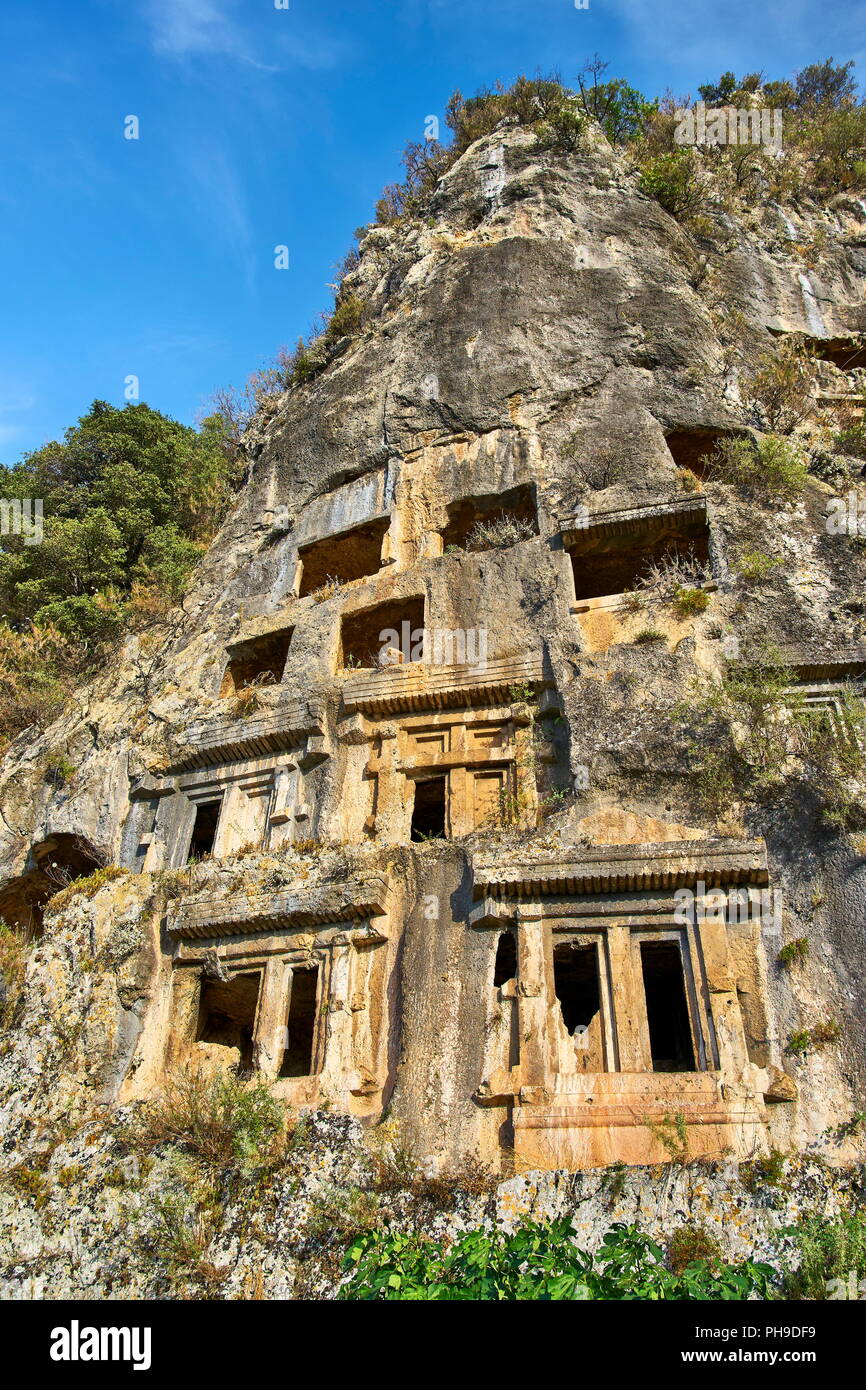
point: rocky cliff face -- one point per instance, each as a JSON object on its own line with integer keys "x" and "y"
{"x": 405, "y": 803}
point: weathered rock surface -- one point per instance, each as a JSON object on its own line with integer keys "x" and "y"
{"x": 541, "y": 351}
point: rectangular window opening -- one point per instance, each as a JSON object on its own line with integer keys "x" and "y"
{"x": 670, "y": 1033}
{"x": 845, "y": 353}
{"x": 207, "y": 814}
{"x": 605, "y": 564}
{"x": 389, "y": 634}
{"x": 298, "y": 1057}
{"x": 261, "y": 661}
{"x": 693, "y": 449}
{"x": 576, "y": 983}
{"x": 351, "y": 555}
{"x": 505, "y": 967}
{"x": 429, "y": 809}
{"x": 227, "y": 1014}
{"x": 493, "y": 520}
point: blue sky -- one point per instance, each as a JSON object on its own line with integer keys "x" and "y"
{"x": 259, "y": 127}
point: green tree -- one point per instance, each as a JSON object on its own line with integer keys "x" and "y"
{"x": 130, "y": 499}
{"x": 621, "y": 111}
{"x": 826, "y": 84}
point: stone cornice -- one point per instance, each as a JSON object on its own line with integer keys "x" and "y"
{"x": 419, "y": 686}
{"x": 223, "y": 740}
{"x": 579, "y": 529}
{"x": 615, "y": 868}
{"x": 258, "y": 910}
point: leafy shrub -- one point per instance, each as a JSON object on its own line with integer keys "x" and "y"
{"x": 828, "y": 1250}
{"x": 798, "y": 1042}
{"x": 794, "y": 951}
{"x": 689, "y": 602}
{"x": 689, "y": 1244}
{"x": 755, "y": 566}
{"x": 768, "y": 736}
{"x": 537, "y": 1261}
{"x": 498, "y": 531}
{"x": 827, "y": 1032}
{"x": 767, "y": 1171}
{"x": 219, "y": 1119}
{"x": 851, "y": 442}
{"x": 564, "y": 131}
{"x": 782, "y": 386}
{"x": 38, "y": 671}
{"x": 851, "y": 438}
{"x": 803, "y": 1040}
{"x": 648, "y": 635}
{"x": 771, "y": 468}
{"x": 59, "y": 769}
{"x": 834, "y": 142}
{"x": 621, "y": 111}
{"x": 13, "y": 964}
{"x": 346, "y": 318}
{"x": 675, "y": 180}
{"x": 131, "y": 497}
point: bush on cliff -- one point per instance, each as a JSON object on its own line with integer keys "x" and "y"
{"x": 537, "y": 1261}
{"x": 130, "y": 498}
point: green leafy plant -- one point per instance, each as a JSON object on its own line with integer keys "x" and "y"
{"x": 521, "y": 693}
{"x": 754, "y": 566}
{"x": 757, "y": 735}
{"x": 799, "y": 1042}
{"x": 59, "y": 769}
{"x": 13, "y": 965}
{"x": 766, "y": 1171}
{"x": 221, "y": 1120}
{"x": 804, "y": 1040}
{"x": 689, "y": 603}
{"x": 690, "y": 1244}
{"x": 771, "y": 468}
{"x": 537, "y": 1261}
{"x": 130, "y": 499}
{"x": 673, "y": 1135}
{"x": 827, "y": 1250}
{"x": 675, "y": 179}
{"x": 346, "y": 318}
{"x": 794, "y": 952}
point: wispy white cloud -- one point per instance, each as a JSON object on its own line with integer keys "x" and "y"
{"x": 193, "y": 28}
{"x": 273, "y": 39}
{"x": 219, "y": 203}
